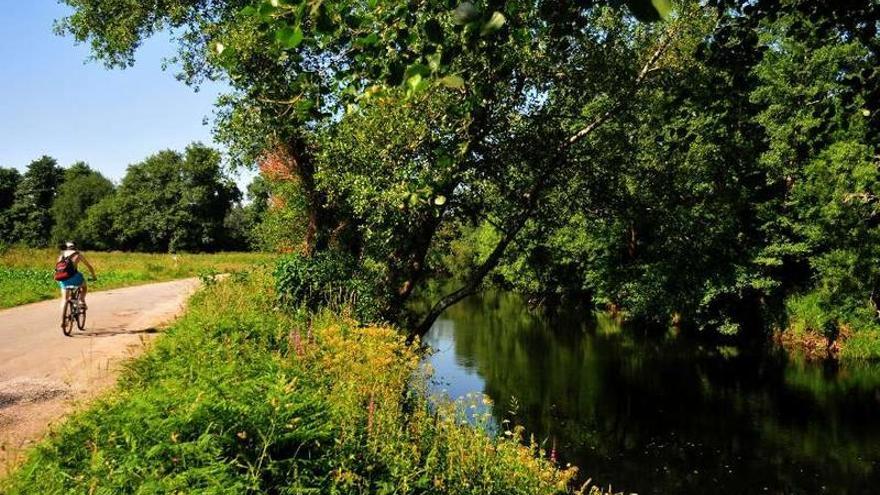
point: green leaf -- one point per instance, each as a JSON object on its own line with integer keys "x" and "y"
{"x": 465, "y": 13}
{"x": 434, "y": 61}
{"x": 266, "y": 10}
{"x": 664, "y": 7}
{"x": 493, "y": 24}
{"x": 369, "y": 40}
{"x": 452, "y": 82}
{"x": 305, "y": 106}
{"x": 650, "y": 10}
{"x": 414, "y": 81}
{"x": 440, "y": 200}
{"x": 417, "y": 68}
{"x": 289, "y": 37}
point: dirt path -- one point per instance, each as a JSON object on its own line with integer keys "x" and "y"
{"x": 43, "y": 373}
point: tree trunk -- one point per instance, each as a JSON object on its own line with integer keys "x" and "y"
{"x": 320, "y": 217}
{"x": 475, "y": 279}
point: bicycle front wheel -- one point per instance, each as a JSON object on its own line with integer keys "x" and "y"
{"x": 81, "y": 317}
{"x": 67, "y": 318}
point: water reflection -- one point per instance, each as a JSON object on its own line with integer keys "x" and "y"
{"x": 663, "y": 416}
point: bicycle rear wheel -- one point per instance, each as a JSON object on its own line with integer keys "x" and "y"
{"x": 67, "y": 318}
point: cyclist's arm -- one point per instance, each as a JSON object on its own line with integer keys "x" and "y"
{"x": 88, "y": 265}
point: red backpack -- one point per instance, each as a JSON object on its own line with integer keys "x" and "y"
{"x": 65, "y": 268}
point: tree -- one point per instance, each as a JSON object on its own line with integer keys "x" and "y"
{"x": 507, "y": 121}
{"x": 173, "y": 202}
{"x": 670, "y": 168}
{"x": 9, "y": 180}
{"x": 30, "y": 211}
{"x": 99, "y": 229}
{"x": 82, "y": 188}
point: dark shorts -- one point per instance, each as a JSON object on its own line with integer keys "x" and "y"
{"x": 74, "y": 281}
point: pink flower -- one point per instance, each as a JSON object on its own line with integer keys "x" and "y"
{"x": 297, "y": 343}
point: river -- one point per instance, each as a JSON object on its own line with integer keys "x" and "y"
{"x": 664, "y": 415}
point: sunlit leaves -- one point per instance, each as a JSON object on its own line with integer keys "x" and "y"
{"x": 650, "y": 10}
{"x": 452, "y": 82}
{"x": 493, "y": 24}
{"x": 416, "y": 84}
{"x": 289, "y": 37}
{"x": 369, "y": 40}
{"x": 466, "y": 13}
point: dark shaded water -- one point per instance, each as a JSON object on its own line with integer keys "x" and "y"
{"x": 661, "y": 415}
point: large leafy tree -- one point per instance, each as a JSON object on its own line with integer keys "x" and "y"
{"x": 82, "y": 188}
{"x": 510, "y": 91}
{"x": 672, "y": 167}
{"x": 30, "y": 210}
{"x": 171, "y": 202}
{"x": 9, "y": 179}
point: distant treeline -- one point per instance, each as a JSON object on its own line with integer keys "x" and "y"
{"x": 171, "y": 201}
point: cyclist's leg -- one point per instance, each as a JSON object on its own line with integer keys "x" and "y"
{"x": 65, "y": 294}
{"x": 82, "y": 293}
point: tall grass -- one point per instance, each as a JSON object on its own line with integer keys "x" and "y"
{"x": 26, "y": 274}
{"x": 239, "y": 397}
{"x": 809, "y": 325}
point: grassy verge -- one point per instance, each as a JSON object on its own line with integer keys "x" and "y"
{"x": 813, "y": 332}
{"x": 238, "y": 397}
{"x": 26, "y": 274}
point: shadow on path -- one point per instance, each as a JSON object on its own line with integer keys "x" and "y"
{"x": 110, "y": 332}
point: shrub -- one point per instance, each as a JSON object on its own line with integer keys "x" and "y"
{"x": 326, "y": 280}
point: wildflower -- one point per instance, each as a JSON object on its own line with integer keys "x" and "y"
{"x": 553, "y": 458}
{"x": 371, "y": 409}
{"x": 297, "y": 342}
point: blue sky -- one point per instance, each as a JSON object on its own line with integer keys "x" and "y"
{"x": 54, "y": 101}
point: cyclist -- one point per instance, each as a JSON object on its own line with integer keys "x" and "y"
{"x": 77, "y": 280}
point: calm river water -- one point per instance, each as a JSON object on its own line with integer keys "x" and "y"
{"x": 660, "y": 415}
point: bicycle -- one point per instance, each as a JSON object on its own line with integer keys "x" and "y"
{"x": 74, "y": 311}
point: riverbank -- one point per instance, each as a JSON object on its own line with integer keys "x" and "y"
{"x": 240, "y": 397}
{"x": 816, "y": 333}
{"x": 26, "y": 273}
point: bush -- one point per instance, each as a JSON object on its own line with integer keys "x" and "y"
{"x": 326, "y": 280}
{"x": 805, "y": 314}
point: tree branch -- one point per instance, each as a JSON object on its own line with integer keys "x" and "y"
{"x": 648, "y": 68}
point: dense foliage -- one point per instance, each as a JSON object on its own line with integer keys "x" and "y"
{"x": 82, "y": 188}
{"x": 710, "y": 170}
{"x": 28, "y": 216}
{"x": 169, "y": 202}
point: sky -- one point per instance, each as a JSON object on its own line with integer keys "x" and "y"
{"x": 54, "y": 101}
